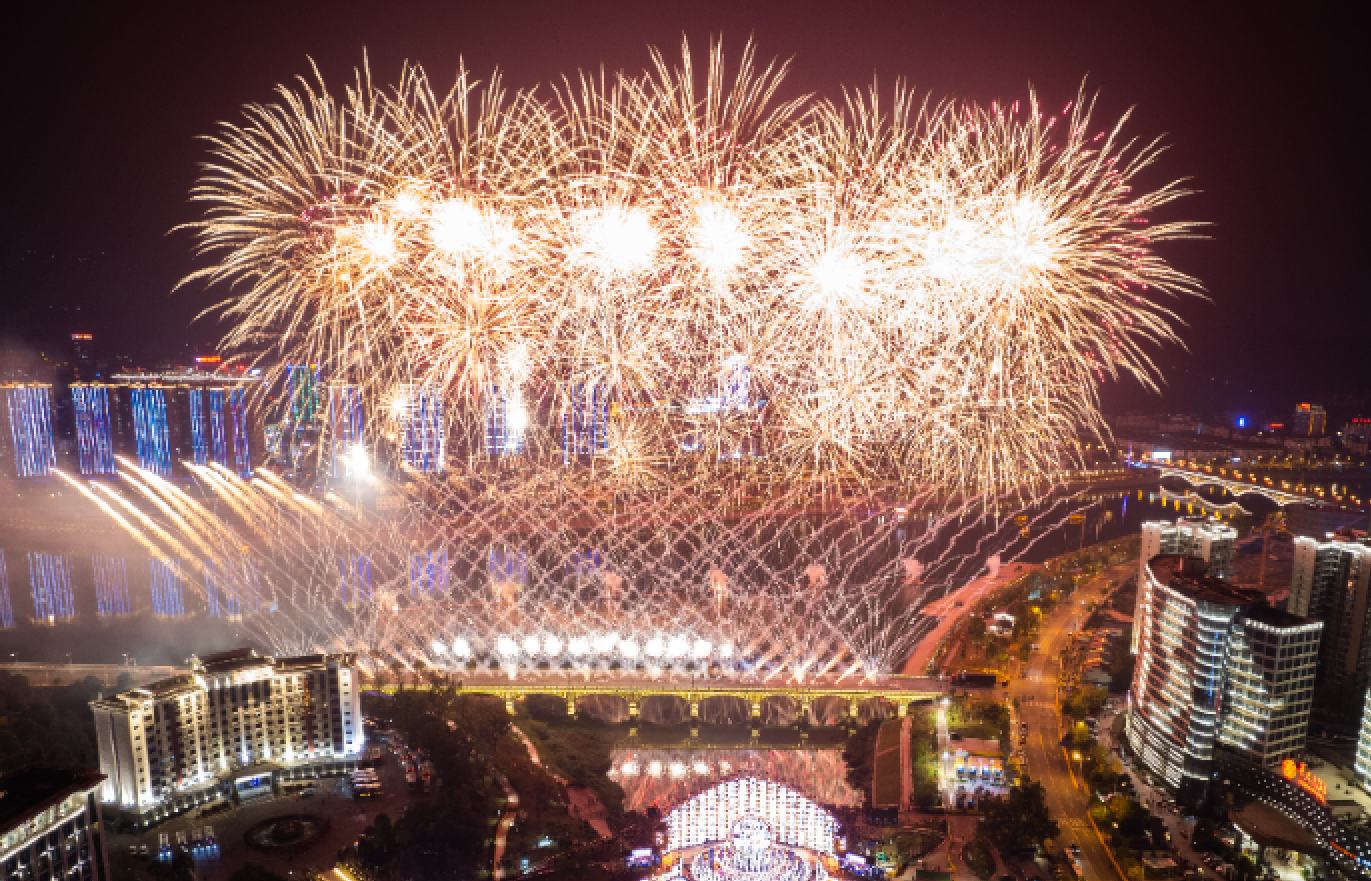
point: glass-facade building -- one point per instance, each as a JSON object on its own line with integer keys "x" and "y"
{"x": 1216, "y": 666}
{"x": 1209, "y": 540}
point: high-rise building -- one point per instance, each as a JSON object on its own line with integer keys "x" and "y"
{"x": 1209, "y": 540}
{"x": 235, "y": 717}
{"x": 50, "y": 826}
{"x": 347, "y": 450}
{"x": 585, "y": 422}
{"x": 27, "y": 446}
{"x": 506, "y": 421}
{"x": 163, "y": 422}
{"x": 1363, "y": 761}
{"x": 1216, "y": 667}
{"x": 1331, "y": 581}
{"x": 423, "y": 431}
{"x": 1310, "y": 420}
{"x": 1269, "y": 672}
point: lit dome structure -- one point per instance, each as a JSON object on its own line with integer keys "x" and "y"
{"x": 750, "y": 829}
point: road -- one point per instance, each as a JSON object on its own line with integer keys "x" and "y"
{"x": 955, "y": 606}
{"x": 1038, "y": 706}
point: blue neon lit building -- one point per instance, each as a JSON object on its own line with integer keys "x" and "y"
{"x": 344, "y": 425}
{"x": 356, "y": 578}
{"x": 150, "y": 429}
{"x": 238, "y": 421}
{"x": 27, "y": 432}
{"x": 585, "y": 422}
{"x": 201, "y": 430}
{"x": 506, "y": 421}
{"x": 95, "y": 443}
{"x": 506, "y": 566}
{"x": 427, "y": 573}
{"x": 111, "y": 587}
{"x": 423, "y": 434}
{"x": 232, "y": 590}
{"x": 302, "y": 392}
{"x": 6, "y": 609}
{"x": 50, "y": 578}
{"x": 167, "y": 588}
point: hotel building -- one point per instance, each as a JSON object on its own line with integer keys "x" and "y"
{"x": 50, "y": 826}
{"x": 1217, "y": 668}
{"x": 234, "y": 725}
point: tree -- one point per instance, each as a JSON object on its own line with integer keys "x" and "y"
{"x": 1021, "y": 819}
{"x": 254, "y": 872}
{"x": 859, "y": 756}
{"x": 975, "y": 628}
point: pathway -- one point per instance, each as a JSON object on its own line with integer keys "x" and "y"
{"x": 502, "y": 831}
{"x": 584, "y": 805}
{"x": 906, "y": 763}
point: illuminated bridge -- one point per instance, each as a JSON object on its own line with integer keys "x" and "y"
{"x": 1236, "y": 487}
{"x": 900, "y": 691}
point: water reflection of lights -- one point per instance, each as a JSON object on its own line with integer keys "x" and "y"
{"x": 668, "y": 776}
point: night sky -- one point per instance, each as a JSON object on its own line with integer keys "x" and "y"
{"x": 1265, "y": 113}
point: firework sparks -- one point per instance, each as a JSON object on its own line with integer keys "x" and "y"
{"x": 928, "y": 293}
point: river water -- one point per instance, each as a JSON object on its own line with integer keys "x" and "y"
{"x": 104, "y": 606}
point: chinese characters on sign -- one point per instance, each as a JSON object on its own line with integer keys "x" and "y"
{"x": 1298, "y": 773}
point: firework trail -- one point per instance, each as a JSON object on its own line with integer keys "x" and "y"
{"x": 798, "y": 321}
{"x": 911, "y": 293}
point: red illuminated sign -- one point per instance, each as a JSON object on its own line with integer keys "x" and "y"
{"x": 1298, "y": 773}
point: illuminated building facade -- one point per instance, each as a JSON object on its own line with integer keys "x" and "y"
{"x": 1331, "y": 581}
{"x": 423, "y": 433}
{"x": 355, "y": 586}
{"x": 111, "y": 587}
{"x": 27, "y": 447}
{"x": 585, "y": 424}
{"x": 94, "y": 441}
{"x": 1216, "y": 667}
{"x": 1310, "y": 420}
{"x": 1209, "y": 540}
{"x": 1269, "y": 669}
{"x": 53, "y": 597}
{"x": 163, "y": 421}
{"x": 506, "y": 421}
{"x": 50, "y": 826}
{"x": 345, "y": 428}
{"x": 711, "y": 815}
{"x": 234, "y": 712}
{"x": 6, "y": 608}
{"x": 167, "y": 588}
{"x": 1363, "y": 761}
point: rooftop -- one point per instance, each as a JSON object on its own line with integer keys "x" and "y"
{"x": 1185, "y": 575}
{"x": 1270, "y": 828}
{"x": 25, "y": 793}
{"x": 1276, "y": 617}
